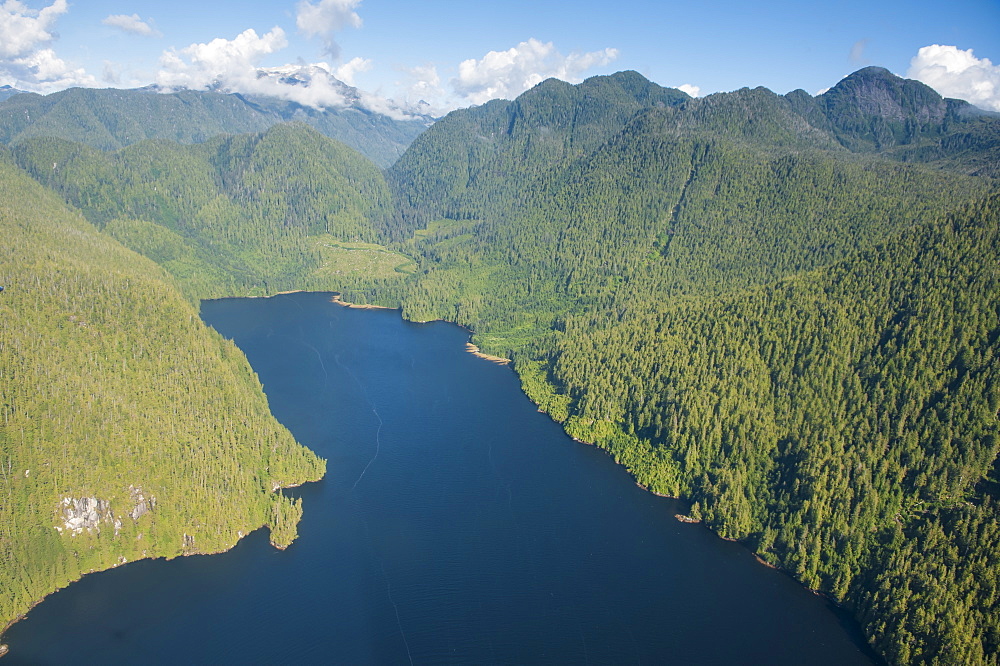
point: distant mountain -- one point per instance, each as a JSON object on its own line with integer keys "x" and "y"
{"x": 111, "y": 119}
{"x": 8, "y": 91}
{"x": 496, "y": 147}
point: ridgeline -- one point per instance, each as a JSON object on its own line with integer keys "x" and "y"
{"x": 782, "y": 308}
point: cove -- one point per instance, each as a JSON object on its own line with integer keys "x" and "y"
{"x": 456, "y": 524}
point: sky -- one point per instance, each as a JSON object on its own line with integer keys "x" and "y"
{"x": 437, "y": 55}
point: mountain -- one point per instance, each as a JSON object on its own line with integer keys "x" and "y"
{"x": 779, "y": 307}
{"x": 244, "y": 214}
{"x": 113, "y": 118}
{"x": 129, "y": 428}
{"x": 496, "y": 147}
{"x": 8, "y": 91}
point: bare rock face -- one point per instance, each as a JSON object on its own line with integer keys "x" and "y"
{"x": 143, "y": 505}
{"x": 87, "y": 513}
{"x": 84, "y": 513}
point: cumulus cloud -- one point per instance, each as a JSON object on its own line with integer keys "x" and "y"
{"x": 23, "y": 30}
{"x": 506, "y": 74}
{"x": 957, "y": 73}
{"x": 422, "y": 90}
{"x": 111, "y": 73}
{"x": 692, "y": 90}
{"x": 132, "y": 24}
{"x": 233, "y": 65}
{"x": 325, "y": 18}
{"x": 347, "y": 71}
{"x": 226, "y": 62}
{"x": 26, "y": 60}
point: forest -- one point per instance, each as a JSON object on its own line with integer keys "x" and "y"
{"x": 129, "y": 428}
{"x": 784, "y": 309}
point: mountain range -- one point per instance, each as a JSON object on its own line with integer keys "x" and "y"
{"x": 781, "y": 308}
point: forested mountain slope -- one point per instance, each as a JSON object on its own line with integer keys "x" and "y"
{"x": 843, "y": 422}
{"x": 113, "y": 118}
{"x": 245, "y": 214}
{"x": 685, "y": 200}
{"x": 128, "y": 429}
{"x": 783, "y": 308}
{"x": 751, "y": 302}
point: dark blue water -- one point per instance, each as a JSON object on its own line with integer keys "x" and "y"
{"x": 456, "y": 524}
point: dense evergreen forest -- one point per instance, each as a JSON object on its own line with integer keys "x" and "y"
{"x": 112, "y": 119}
{"x": 129, "y": 428}
{"x": 783, "y": 308}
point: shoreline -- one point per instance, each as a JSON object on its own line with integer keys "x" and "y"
{"x": 469, "y": 347}
{"x": 688, "y": 520}
{"x": 474, "y": 350}
{"x": 355, "y": 306}
{"x": 240, "y": 535}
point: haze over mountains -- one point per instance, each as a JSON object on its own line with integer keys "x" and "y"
{"x": 781, "y": 307}
{"x": 112, "y": 118}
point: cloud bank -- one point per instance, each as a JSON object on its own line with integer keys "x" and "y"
{"x": 234, "y": 65}
{"x": 26, "y": 61}
{"x": 506, "y": 74}
{"x": 220, "y": 62}
{"x": 956, "y": 73}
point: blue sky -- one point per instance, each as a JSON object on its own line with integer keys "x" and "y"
{"x": 452, "y": 53}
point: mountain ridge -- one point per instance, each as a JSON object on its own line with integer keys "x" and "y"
{"x": 781, "y": 307}
{"x": 113, "y": 118}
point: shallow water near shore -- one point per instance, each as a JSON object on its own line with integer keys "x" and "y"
{"x": 456, "y": 524}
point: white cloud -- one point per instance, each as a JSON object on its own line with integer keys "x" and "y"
{"x": 23, "y": 30}
{"x": 43, "y": 71}
{"x": 956, "y": 73}
{"x": 132, "y": 24}
{"x": 111, "y": 73}
{"x": 234, "y": 66}
{"x": 347, "y": 71}
{"x": 25, "y": 58}
{"x": 325, "y": 18}
{"x": 422, "y": 90}
{"x": 506, "y": 74}
{"x": 232, "y": 63}
{"x": 692, "y": 90}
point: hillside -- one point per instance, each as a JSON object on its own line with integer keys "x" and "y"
{"x": 112, "y": 119}
{"x": 129, "y": 428}
{"x": 751, "y": 301}
{"x": 251, "y": 214}
{"x": 780, "y": 307}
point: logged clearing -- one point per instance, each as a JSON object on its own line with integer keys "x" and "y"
{"x": 369, "y": 259}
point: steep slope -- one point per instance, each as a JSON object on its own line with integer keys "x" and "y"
{"x": 712, "y": 195}
{"x": 873, "y": 110}
{"x": 842, "y": 422}
{"x": 238, "y": 214}
{"x": 480, "y": 158}
{"x": 8, "y": 91}
{"x": 128, "y": 429}
{"x": 751, "y": 303}
{"x": 747, "y": 299}
{"x": 113, "y": 118}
